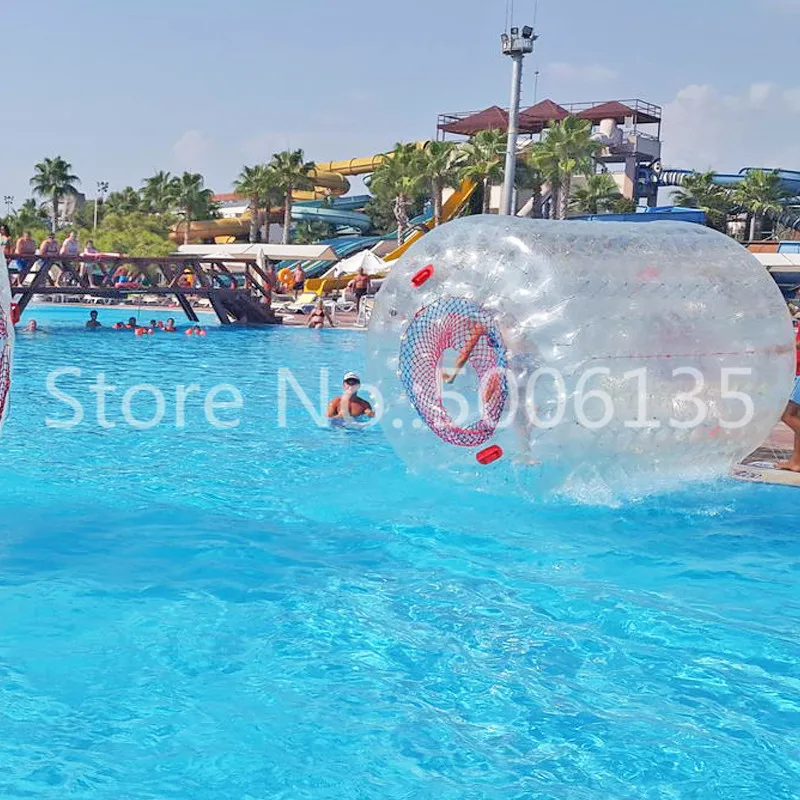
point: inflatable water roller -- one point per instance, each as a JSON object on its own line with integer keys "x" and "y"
{"x": 579, "y": 353}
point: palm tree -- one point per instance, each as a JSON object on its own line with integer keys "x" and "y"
{"x": 259, "y": 185}
{"x": 53, "y": 178}
{"x": 597, "y": 196}
{"x": 193, "y": 200}
{"x": 529, "y": 176}
{"x": 762, "y": 194}
{"x": 158, "y": 192}
{"x": 439, "y": 164}
{"x": 699, "y": 190}
{"x": 401, "y": 179}
{"x": 124, "y": 201}
{"x": 482, "y": 158}
{"x": 567, "y": 149}
{"x": 311, "y": 232}
{"x": 28, "y": 215}
{"x": 291, "y": 172}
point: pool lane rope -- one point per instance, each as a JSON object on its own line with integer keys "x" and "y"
{"x": 454, "y": 323}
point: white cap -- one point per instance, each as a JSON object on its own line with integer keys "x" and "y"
{"x": 351, "y": 376}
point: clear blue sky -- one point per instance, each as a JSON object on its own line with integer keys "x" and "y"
{"x": 138, "y": 85}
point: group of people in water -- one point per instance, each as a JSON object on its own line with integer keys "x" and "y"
{"x": 93, "y": 323}
{"x": 146, "y": 330}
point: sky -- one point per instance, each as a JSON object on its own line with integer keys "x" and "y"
{"x": 134, "y": 86}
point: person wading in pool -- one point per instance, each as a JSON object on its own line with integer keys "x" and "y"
{"x": 318, "y": 316}
{"x": 93, "y": 321}
{"x": 349, "y": 404}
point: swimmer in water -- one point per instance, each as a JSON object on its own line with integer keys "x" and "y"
{"x": 349, "y": 404}
{"x": 170, "y": 326}
{"x": 318, "y": 316}
{"x": 31, "y": 327}
{"x": 132, "y": 323}
{"x": 93, "y": 321}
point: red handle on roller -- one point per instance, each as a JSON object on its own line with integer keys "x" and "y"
{"x": 422, "y": 276}
{"x": 489, "y": 454}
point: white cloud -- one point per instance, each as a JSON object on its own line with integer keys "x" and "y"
{"x": 594, "y": 73}
{"x": 705, "y": 128}
{"x": 192, "y": 149}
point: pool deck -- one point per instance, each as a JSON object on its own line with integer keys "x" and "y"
{"x": 758, "y": 467}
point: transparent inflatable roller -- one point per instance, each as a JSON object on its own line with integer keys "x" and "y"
{"x": 569, "y": 355}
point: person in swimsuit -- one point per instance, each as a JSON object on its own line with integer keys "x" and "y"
{"x": 93, "y": 321}
{"x": 70, "y": 247}
{"x": 6, "y": 242}
{"x": 318, "y": 316}
{"x": 349, "y": 404}
{"x": 791, "y": 416}
{"x": 49, "y": 246}
{"x": 170, "y": 326}
{"x": 299, "y": 280}
{"x": 360, "y": 286}
{"x": 26, "y": 246}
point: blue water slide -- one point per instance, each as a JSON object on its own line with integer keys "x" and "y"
{"x": 346, "y": 246}
{"x": 790, "y": 179}
{"x": 338, "y": 218}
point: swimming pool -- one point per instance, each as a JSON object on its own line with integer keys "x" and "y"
{"x": 268, "y": 612}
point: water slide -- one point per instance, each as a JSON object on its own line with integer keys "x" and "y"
{"x": 338, "y": 212}
{"x": 452, "y": 207}
{"x": 790, "y": 181}
{"x": 347, "y": 246}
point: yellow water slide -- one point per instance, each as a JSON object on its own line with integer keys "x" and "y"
{"x": 329, "y": 178}
{"x": 326, "y": 183}
{"x": 452, "y": 207}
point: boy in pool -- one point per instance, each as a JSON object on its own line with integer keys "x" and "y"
{"x": 349, "y": 404}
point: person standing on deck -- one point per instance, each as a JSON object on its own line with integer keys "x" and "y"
{"x": 7, "y": 243}
{"x": 360, "y": 286}
{"x": 26, "y": 245}
{"x": 49, "y": 247}
{"x": 791, "y": 416}
{"x": 299, "y": 280}
{"x": 70, "y": 246}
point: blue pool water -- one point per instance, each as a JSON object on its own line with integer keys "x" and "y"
{"x": 267, "y": 612}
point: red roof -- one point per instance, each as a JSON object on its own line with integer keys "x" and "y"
{"x": 536, "y": 118}
{"x": 616, "y": 111}
{"x": 490, "y": 119}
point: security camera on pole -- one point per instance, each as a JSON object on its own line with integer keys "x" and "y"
{"x": 517, "y": 46}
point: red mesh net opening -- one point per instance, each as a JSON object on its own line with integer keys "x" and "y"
{"x": 5, "y": 363}
{"x": 454, "y": 323}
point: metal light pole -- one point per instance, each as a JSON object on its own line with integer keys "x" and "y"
{"x": 102, "y": 188}
{"x": 8, "y": 199}
{"x": 517, "y": 46}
